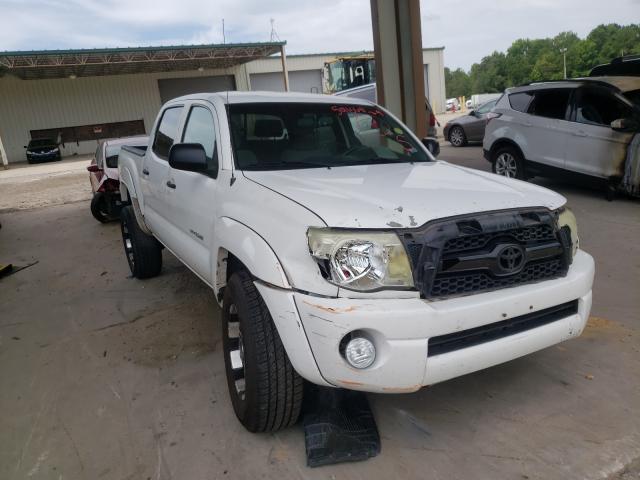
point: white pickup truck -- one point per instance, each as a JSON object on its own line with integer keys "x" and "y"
{"x": 342, "y": 253}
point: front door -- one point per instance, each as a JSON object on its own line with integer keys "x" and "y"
{"x": 192, "y": 196}
{"x": 594, "y": 148}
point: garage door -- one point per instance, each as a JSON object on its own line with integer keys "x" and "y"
{"x": 175, "y": 87}
{"x": 308, "y": 81}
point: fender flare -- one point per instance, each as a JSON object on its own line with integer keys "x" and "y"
{"x": 249, "y": 248}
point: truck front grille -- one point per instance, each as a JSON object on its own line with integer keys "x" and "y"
{"x": 482, "y": 252}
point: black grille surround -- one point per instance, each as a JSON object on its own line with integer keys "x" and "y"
{"x": 494, "y": 331}
{"x": 487, "y": 251}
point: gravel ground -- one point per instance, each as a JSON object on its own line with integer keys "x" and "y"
{"x": 32, "y": 186}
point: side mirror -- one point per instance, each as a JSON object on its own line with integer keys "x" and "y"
{"x": 472, "y": 113}
{"x": 625, "y": 125}
{"x": 189, "y": 157}
{"x": 432, "y": 145}
{"x": 93, "y": 168}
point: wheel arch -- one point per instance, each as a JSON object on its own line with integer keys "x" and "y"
{"x": 238, "y": 246}
{"x": 505, "y": 142}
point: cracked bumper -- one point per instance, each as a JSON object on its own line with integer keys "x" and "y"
{"x": 311, "y": 329}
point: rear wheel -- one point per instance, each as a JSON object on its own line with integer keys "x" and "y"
{"x": 266, "y": 392}
{"x": 100, "y": 208}
{"x": 144, "y": 252}
{"x": 457, "y": 137}
{"x": 508, "y": 162}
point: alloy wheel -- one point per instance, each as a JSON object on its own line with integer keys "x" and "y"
{"x": 506, "y": 165}
{"x": 128, "y": 245}
{"x": 456, "y": 137}
{"x": 236, "y": 351}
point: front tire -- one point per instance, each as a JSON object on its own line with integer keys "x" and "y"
{"x": 457, "y": 137}
{"x": 144, "y": 252}
{"x": 508, "y": 162}
{"x": 266, "y": 392}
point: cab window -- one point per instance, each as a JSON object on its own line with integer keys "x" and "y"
{"x": 200, "y": 128}
{"x": 166, "y": 132}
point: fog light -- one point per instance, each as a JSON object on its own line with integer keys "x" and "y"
{"x": 360, "y": 352}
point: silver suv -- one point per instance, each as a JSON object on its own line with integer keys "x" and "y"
{"x": 583, "y": 126}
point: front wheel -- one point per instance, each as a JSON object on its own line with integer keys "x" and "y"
{"x": 266, "y": 392}
{"x": 144, "y": 253}
{"x": 508, "y": 162}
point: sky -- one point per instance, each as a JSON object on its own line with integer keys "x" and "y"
{"x": 468, "y": 29}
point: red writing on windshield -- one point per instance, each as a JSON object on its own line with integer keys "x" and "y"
{"x": 342, "y": 109}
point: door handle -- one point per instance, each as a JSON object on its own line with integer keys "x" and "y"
{"x": 170, "y": 184}
{"x": 145, "y": 171}
{"x": 580, "y": 133}
{"x": 528, "y": 124}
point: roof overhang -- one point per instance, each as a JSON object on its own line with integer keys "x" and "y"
{"x": 34, "y": 65}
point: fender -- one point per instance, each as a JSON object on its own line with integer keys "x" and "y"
{"x": 251, "y": 249}
{"x": 128, "y": 194}
{"x": 127, "y": 180}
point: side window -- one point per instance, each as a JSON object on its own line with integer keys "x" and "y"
{"x": 99, "y": 155}
{"x": 600, "y": 108}
{"x": 520, "y": 101}
{"x": 200, "y": 129}
{"x": 550, "y": 103}
{"x": 166, "y": 132}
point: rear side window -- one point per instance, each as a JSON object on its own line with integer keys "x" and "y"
{"x": 201, "y": 129}
{"x": 550, "y": 103}
{"x": 520, "y": 101}
{"x": 166, "y": 132}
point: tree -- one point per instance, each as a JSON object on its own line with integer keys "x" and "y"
{"x": 528, "y": 60}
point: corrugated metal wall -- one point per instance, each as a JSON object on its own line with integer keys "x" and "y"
{"x": 38, "y": 104}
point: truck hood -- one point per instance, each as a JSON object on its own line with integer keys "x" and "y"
{"x": 401, "y": 195}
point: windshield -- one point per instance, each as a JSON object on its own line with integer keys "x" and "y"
{"x": 283, "y": 136}
{"x": 42, "y": 142}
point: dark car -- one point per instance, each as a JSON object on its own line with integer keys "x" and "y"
{"x": 468, "y": 128}
{"x": 42, "y": 150}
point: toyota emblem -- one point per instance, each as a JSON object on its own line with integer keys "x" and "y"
{"x": 511, "y": 259}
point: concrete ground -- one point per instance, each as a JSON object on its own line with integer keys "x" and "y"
{"x": 106, "y": 377}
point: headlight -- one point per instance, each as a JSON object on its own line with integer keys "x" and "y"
{"x": 361, "y": 260}
{"x": 566, "y": 219}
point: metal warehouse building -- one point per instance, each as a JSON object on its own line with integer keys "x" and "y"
{"x": 80, "y": 96}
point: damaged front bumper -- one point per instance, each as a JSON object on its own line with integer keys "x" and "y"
{"x": 458, "y": 330}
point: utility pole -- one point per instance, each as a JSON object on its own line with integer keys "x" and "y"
{"x": 564, "y": 61}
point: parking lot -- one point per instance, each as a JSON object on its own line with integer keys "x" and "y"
{"x": 108, "y": 377}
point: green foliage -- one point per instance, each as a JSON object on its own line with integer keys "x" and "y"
{"x": 528, "y": 60}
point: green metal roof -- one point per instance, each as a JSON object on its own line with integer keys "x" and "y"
{"x": 33, "y": 65}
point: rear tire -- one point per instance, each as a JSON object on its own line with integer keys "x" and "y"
{"x": 457, "y": 137}
{"x": 266, "y": 392}
{"x": 99, "y": 208}
{"x": 144, "y": 252}
{"x": 508, "y": 162}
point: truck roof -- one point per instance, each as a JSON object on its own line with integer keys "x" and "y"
{"x": 234, "y": 97}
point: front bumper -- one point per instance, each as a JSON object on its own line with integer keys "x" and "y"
{"x": 312, "y": 327}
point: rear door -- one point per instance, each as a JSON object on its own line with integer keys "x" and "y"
{"x": 546, "y": 128}
{"x": 155, "y": 172}
{"x": 192, "y": 195}
{"x": 594, "y": 148}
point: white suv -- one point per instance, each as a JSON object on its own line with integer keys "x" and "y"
{"x": 583, "y": 126}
